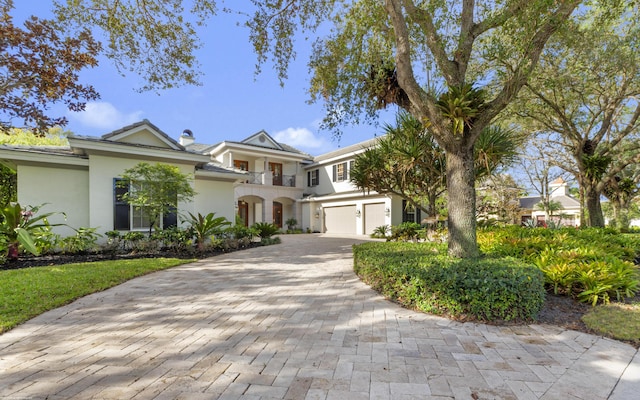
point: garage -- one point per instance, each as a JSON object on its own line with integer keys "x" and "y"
{"x": 373, "y": 217}
{"x": 340, "y": 220}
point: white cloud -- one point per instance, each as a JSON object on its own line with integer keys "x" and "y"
{"x": 301, "y": 138}
{"x": 104, "y": 115}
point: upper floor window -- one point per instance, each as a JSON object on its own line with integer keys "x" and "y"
{"x": 241, "y": 165}
{"x": 341, "y": 171}
{"x": 313, "y": 177}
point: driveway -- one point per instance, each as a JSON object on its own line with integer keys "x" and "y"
{"x": 292, "y": 321}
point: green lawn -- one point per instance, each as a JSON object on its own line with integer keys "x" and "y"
{"x": 26, "y": 293}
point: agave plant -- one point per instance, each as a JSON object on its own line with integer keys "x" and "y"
{"x": 18, "y": 226}
{"x": 205, "y": 226}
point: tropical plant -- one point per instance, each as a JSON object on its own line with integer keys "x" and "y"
{"x": 381, "y": 231}
{"x": 203, "y": 227}
{"x": 18, "y": 226}
{"x": 291, "y": 223}
{"x": 85, "y": 239}
{"x": 265, "y": 229}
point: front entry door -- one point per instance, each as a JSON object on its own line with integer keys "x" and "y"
{"x": 276, "y": 172}
{"x": 243, "y": 211}
{"x": 277, "y": 214}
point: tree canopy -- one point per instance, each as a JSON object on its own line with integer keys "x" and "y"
{"x": 40, "y": 67}
{"x": 583, "y": 103}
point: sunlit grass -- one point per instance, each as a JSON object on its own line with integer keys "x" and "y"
{"x": 616, "y": 320}
{"x": 26, "y": 293}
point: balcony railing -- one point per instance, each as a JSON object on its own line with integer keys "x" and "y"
{"x": 259, "y": 178}
{"x": 255, "y": 178}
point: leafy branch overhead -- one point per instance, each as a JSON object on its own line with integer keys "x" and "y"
{"x": 39, "y": 67}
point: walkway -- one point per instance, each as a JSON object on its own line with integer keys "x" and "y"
{"x": 292, "y": 321}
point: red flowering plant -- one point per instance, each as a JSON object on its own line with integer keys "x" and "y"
{"x": 17, "y": 226}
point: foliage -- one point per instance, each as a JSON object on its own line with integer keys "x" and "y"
{"x": 174, "y": 239}
{"x": 406, "y": 231}
{"x": 422, "y": 276}
{"x": 18, "y": 226}
{"x": 583, "y": 101}
{"x": 157, "y": 189}
{"x": 41, "y": 67}
{"x": 265, "y": 229}
{"x": 155, "y": 39}
{"x": 8, "y": 185}
{"x": 498, "y": 200}
{"x": 592, "y": 265}
{"x": 85, "y": 239}
{"x": 26, "y": 293}
{"x": 381, "y": 232}
{"x": 55, "y": 137}
{"x": 203, "y": 227}
{"x": 291, "y": 223}
{"x": 408, "y": 162}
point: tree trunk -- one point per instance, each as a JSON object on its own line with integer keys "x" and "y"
{"x": 462, "y": 203}
{"x": 594, "y": 208}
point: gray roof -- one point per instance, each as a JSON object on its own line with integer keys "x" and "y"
{"x": 56, "y": 150}
{"x": 567, "y": 202}
{"x": 138, "y": 124}
{"x": 346, "y": 150}
{"x": 200, "y": 148}
{"x": 217, "y": 168}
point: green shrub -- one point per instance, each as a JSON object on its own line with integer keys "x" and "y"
{"x": 424, "y": 277}
{"x": 205, "y": 226}
{"x": 381, "y": 232}
{"x": 591, "y": 265}
{"x": 406, "y": 231}
{"x": 265, "y": 230}
{"x": 85, "y": 239}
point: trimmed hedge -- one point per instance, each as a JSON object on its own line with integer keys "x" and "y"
{"x": 422, "y": 276}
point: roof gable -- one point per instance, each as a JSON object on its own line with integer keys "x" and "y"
{"x": 143, "y": 133}
{"x": 262, "y": 139}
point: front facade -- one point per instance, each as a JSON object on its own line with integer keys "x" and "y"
{"x": 256, "y": 179}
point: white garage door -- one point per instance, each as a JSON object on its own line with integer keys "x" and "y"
{"x": 340, "y": 220}
{"x": 373, "y": 217}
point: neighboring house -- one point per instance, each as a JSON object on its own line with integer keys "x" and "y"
{"x": 568, "y": 215}
{"x": 80, "y": 180}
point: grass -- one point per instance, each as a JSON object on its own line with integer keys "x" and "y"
{"x": 26, "y": 293}
{"x": 616, "y": 320}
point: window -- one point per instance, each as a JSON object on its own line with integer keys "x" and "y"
{"x": 313, "y": 177}
{"x": 241, "y": 165}
{"x": 127, "y": 217}
{"x": 340, "y": 172}
{"x": 410, "y": 213}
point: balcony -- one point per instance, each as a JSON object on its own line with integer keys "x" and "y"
{"x": 260, "y": 178}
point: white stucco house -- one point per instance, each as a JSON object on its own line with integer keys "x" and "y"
{"x": 257, "y": 179}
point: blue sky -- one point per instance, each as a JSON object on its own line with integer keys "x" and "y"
{"x": 232, "y": 104}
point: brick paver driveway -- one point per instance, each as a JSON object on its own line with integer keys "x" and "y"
{"x": 292, "y": 321}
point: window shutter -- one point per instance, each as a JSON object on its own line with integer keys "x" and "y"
{"x": 309, "y": 182}
{"x": 345, "y": 172}
{"x": 317, "y": 177}
{"x": 121, "y": 209}
{"x": 335, "y": 173}
{"x": 170, "y": 219}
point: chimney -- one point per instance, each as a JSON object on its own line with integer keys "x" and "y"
{"x": 186, "y": 138}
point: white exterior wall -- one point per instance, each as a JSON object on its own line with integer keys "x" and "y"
{"x": 215, "y": 196}
{"x": 102, "y": 170}
{"x": 63, "y": 189}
